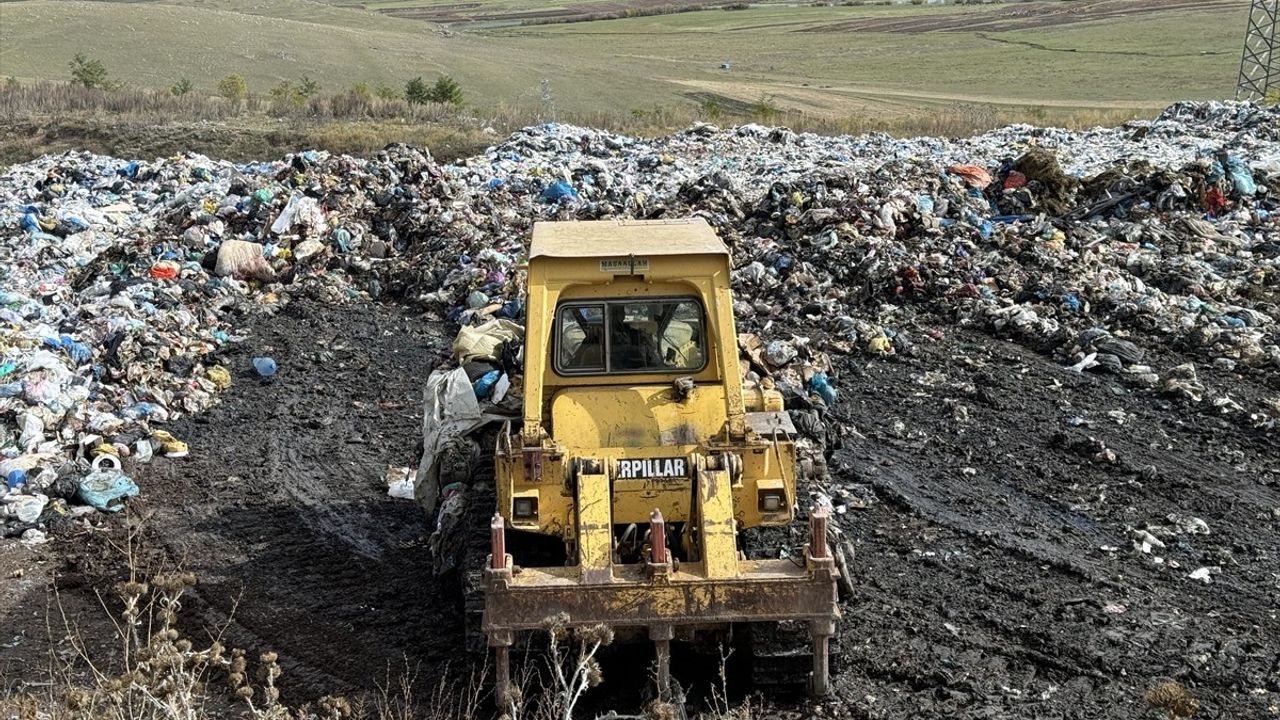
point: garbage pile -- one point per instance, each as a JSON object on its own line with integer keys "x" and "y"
{"x": 121, "y": 278}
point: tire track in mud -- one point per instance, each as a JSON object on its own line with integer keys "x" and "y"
{"x": 986, "y": 592}
{"x": 282, "y": 512}
{"x": 989, "y": 509}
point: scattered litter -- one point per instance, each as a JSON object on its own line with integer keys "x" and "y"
{"x": 107, "y": 485}
{"x": 265, "y": 367}
{"x": 1144, "y": 542}
{"x": 1205, "y": 574}
{"x": 400, "y": 482}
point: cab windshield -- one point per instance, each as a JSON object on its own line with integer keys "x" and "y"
{"x": 628, "y": 336}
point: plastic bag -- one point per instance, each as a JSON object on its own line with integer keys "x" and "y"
{"x": 27, "y": 508}
{"x": 450, "y": 409}
{"x": 1241, "y": 177}
{"x": 484, "y": 342}
{"x": 242, "y": 259}
{"x": 107, "y": 485}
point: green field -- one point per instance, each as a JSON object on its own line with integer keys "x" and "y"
{"x": 827, "y": 61}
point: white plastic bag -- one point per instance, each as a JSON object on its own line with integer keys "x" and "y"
{"x": 450, "y": 409}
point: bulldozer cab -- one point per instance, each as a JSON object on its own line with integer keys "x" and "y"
{"x": 628, "y": 304}
{"x": 644, "y": 452}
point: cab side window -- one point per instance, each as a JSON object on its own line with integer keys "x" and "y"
{"x": 581, "y": 338}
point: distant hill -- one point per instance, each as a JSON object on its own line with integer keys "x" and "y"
{"x": 826, "y": 60}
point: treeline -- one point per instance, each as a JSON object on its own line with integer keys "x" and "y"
{"x": 232, "y": 100}
{"x": 91, "y": 74}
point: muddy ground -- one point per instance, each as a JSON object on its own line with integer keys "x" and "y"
{"x": 996, "y": 569}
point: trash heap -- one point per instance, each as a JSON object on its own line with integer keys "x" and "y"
{"x": 1100, "y": 248}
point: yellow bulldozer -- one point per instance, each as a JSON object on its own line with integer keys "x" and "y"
{"x": 644, "y": 452}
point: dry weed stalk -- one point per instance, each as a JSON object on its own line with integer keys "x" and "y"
{"x": 450, "y": 699}
{"x": 570, "y": 676}
{"x": 721, "y": 709}
{"x": 154, "y": 671}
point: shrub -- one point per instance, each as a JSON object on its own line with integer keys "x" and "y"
{"x": 360, "y": 91}
{"x": 308, "y": 87}
{"x": 180, "y": 88}
{"x": 386, "y": 92}
{"x": 90, "y": 73}
{"x": 233, "y": 87}
{"x": 284, "y": 94}
{"x": 416, "y": 92}
{"x": 765, "y": 108}
{"x": 446, "y": 90}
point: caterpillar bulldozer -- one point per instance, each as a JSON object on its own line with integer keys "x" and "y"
{"x": 643, "y": 451}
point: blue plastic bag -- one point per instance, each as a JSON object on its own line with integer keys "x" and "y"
{"x": 484, "y": 385}
{"x": 559, "y": 190}
{"x": 821, "y": 385}
{"x": 78, "y": 352}
{"x": 75, "y": 221}
{"x": 511, "y": 309}
{"x": 1241, "y": 177}
{"x": 106, "y": 487}
{"x": 341, "y": 238}
{"x": 138, "y": 411}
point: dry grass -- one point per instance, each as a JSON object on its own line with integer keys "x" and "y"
{"x": 1176, "y": 701}
{"x": 150, "y": 670}
{"x": 51, "y": 117}
{"x": 46, "y": 99}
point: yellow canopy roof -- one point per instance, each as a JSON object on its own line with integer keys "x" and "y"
{"x": 619, "y": 238}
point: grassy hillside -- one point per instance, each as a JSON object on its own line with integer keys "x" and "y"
{"x": 831, "y": 61}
